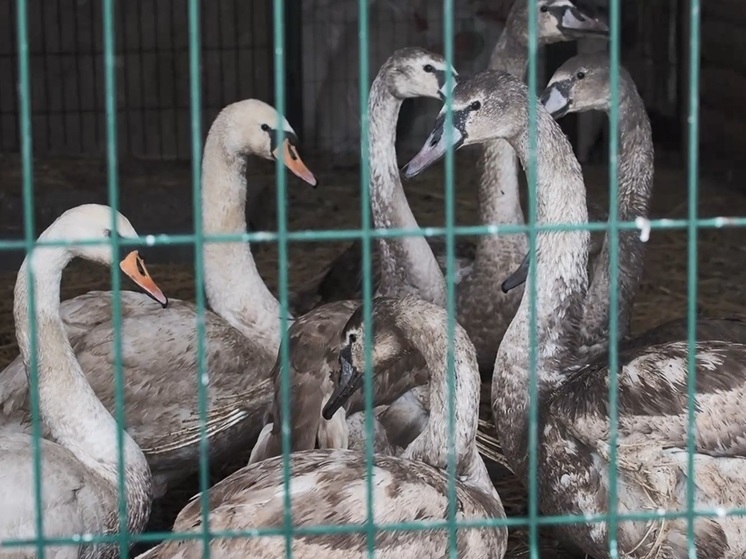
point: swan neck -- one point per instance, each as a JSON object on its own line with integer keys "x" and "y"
{"x": 408, "y": 265}
{"x": 560, "y": 287}
{"x": 233, "y": 286}
{"x": 433, "y": 443}
{"x": 510, "y": 54}
{"x": 498, "y": 194}
{"x": 76, "y": 418}
{"x": 635, "y": 183}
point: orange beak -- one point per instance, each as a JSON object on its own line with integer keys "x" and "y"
{"x": 134, "y": 267}
{"x": 293, "y": 162}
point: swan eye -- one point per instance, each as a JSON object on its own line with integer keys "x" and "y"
{"x": 475, "y": 106}
{"x": 428, "y": 68}
{"x": 107, "y": 233}
{"x": 580, "y": 75}
{"x": 265, "y": 127}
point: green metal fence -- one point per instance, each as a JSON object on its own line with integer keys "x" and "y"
{"x": 282, "y": 237}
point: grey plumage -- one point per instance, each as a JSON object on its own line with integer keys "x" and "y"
{"x": 329, "y": 485}
{"x": 573, "y": 396}
{"x": 159, "y": 346}
{"x": 407, "y": 266}
{"x": 483, "y": 309}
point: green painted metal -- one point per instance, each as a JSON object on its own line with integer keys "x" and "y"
{"x": 367, "y": 287}
{"x": 693, "y": 159}
{"x": 450, "y": 284}
{"x": 24, "y": 102}
{"x": 116, "y": 313}
{"x": 534, "y": 520}
{"x": 530, "y": 287}
{"x": 195, "y": 84}
{"x": 613, "y": 220}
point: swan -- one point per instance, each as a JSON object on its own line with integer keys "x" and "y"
{"x": 483, "y": 308}
{"x": 329, "y": 486}
{"x": 159, "y": 349}
{"x": 79, "y": 480}
{"x": 408, "y": 267}
{"x": 582, "y": 84}
{"x": 573, "y": 395}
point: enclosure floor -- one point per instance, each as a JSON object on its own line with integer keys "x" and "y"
{"x": 156, "y": 197}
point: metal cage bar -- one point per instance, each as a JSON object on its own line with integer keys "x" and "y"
{"x": 282, "y": 15}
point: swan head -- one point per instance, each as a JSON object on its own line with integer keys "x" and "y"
{"x": 483, "y": 108}
{"x": 387, "y": 345}
{"x": 250, "y": 127}
{"x": 582, "y": 84}
{"x": 557, "y": 21}
{"x": 92, "y": 222}
{"x": 416, "y": 72}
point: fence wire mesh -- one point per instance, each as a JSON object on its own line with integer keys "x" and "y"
{"x": 366, "y": 234}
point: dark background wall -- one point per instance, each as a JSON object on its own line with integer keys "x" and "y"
{"x": 152, "y": 41}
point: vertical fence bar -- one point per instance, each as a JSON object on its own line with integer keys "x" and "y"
{"x": 282, "y": 272}
{"x": 367, "y": 291}
{"x": 693, "y": 154}
{"x": 195, "y": 111}
{"x": 533, "y": 408}
{"x": 613, "y": 236}
{"x": 450, "y": 285}
{"x": 110, "y": 104}
{"x": 25, "y": 140}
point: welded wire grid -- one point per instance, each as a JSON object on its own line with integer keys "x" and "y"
{"x": 366, "y": 234}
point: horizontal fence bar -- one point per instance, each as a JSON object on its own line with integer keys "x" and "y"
{"x": 414, "y": 526}
{"x": 164, "y": 239}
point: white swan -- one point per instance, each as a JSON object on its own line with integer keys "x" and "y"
{"x": 79, "y": 480}
{"x": 159, "y": 349}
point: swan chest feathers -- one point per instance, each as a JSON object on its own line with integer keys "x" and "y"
{"x": 74, "y": 499}
{"x": 329, "y": 488}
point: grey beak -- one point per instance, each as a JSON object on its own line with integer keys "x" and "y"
{"x": 350, "y": 380}
{"x": 434, "y": 149}
{"x": 556, "y": 100}
{"x": 576, "y": 22}
{"x": 518, "y": 277}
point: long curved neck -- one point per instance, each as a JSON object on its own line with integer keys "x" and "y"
{"x": 498, "y": 193}
{"x": 561, "y": 283}
{"x": 234, "y": 288}
{"x": 408, "y": 265}
{"x": 635, "y": 179}
{"x": 432, "y": 445}
{"x": 69, "y": 407}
